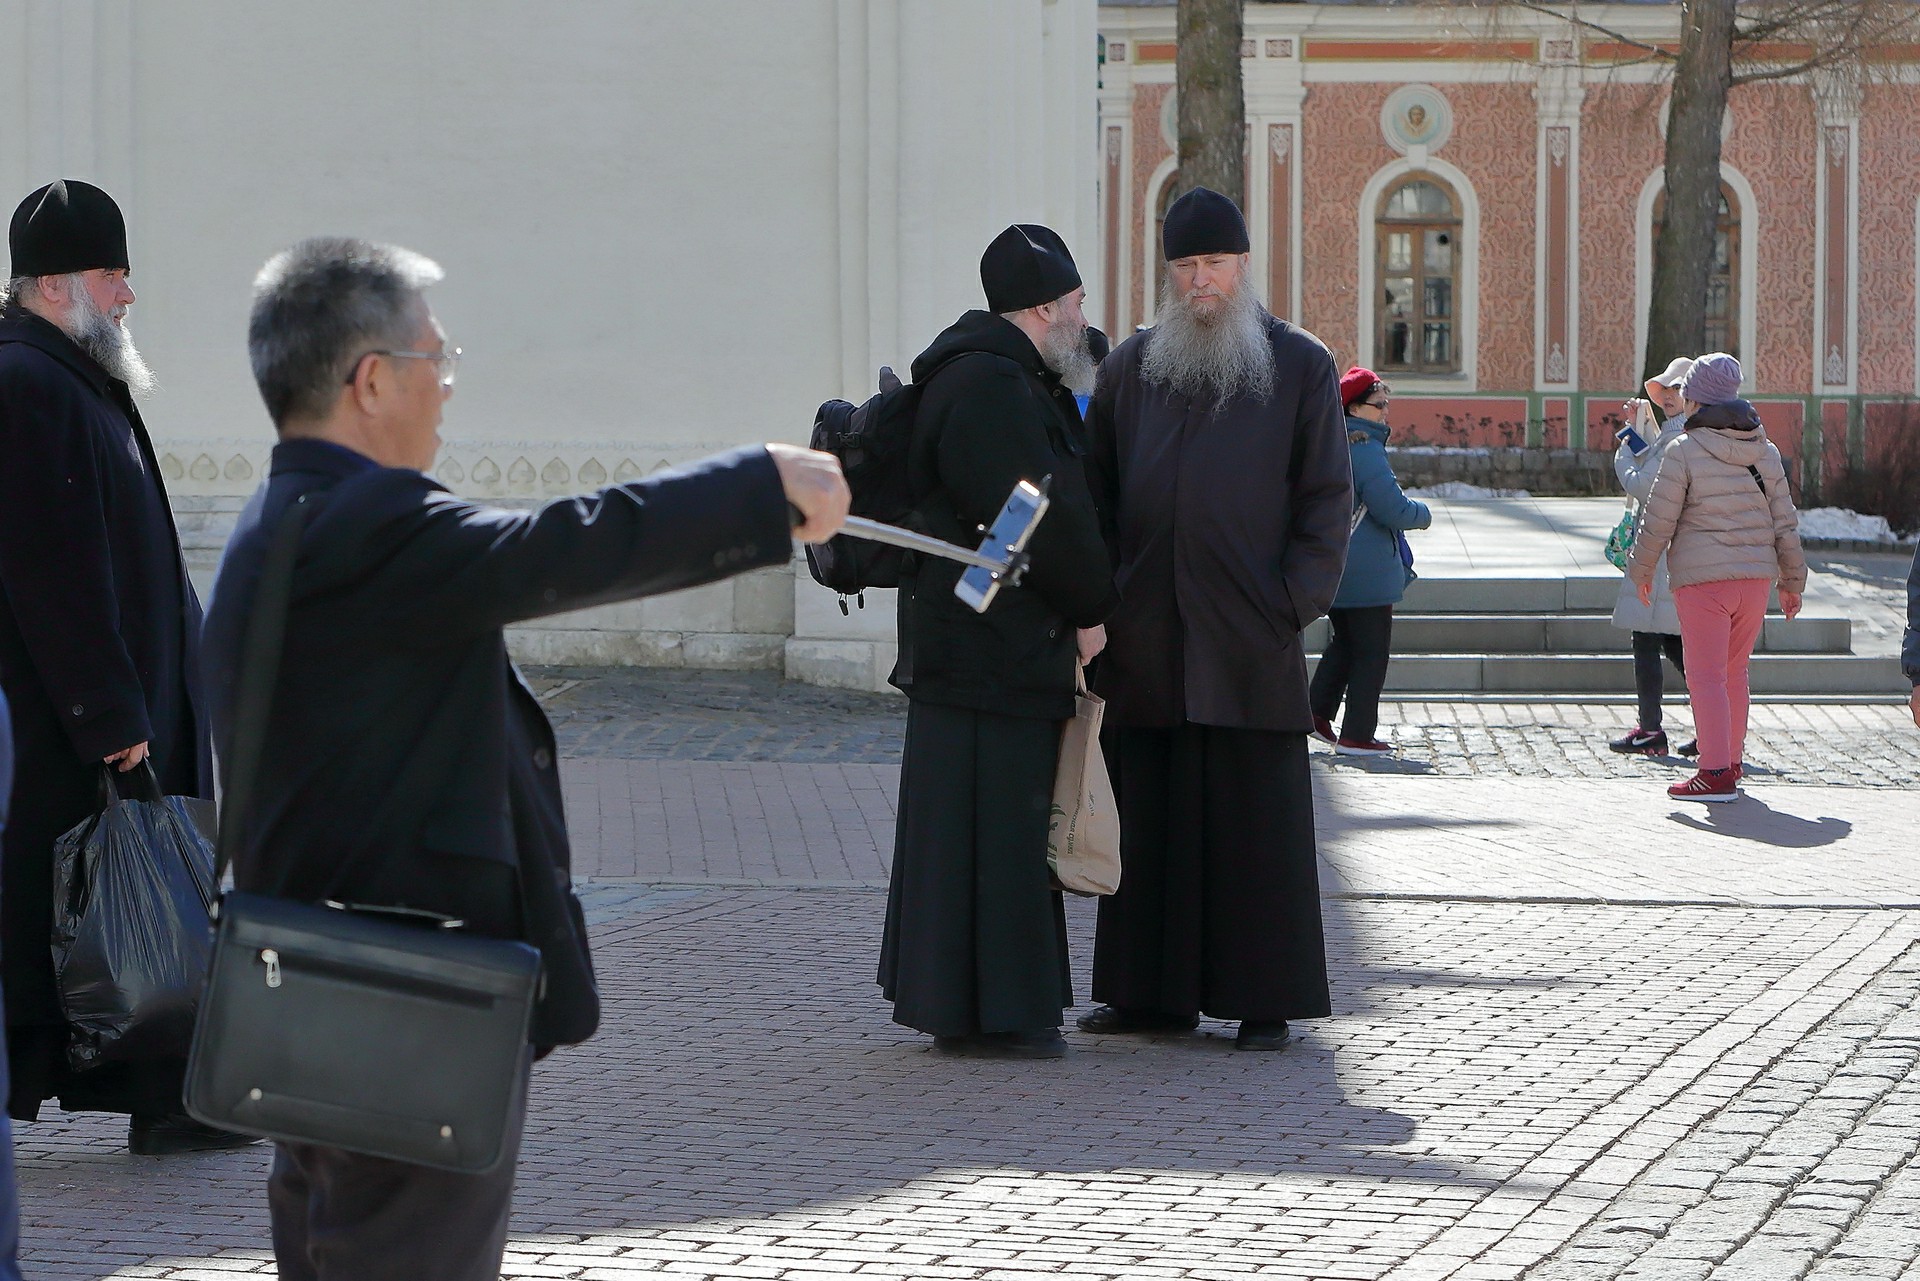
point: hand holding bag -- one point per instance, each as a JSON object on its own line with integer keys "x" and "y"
{"x": 132, "y": 894}
{"x": 1083, "y": 836}
{"x": 380, "y": 1031}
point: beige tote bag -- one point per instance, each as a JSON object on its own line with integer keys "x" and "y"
{"x": 1083, "y": 838}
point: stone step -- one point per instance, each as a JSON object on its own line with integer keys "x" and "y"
{"x": 1613, "y": 673}
{"x": 1574, "y": 634}
{"x": 1532, "y": 595}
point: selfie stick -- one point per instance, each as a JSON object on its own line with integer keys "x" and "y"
{"x": 1009, "y": 567}
{"x": 1002, "y": 552}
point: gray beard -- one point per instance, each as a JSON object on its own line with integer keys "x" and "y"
{"x": 1064, "y": 349}
{"x": 94, "y": 332}
{"x": 1217, "y": 358}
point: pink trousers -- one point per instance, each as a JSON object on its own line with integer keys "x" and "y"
{"x": 1719, "y": 622}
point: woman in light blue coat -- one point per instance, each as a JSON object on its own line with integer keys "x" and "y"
{"x": 1656, "y": 626}
{"x": 1354, "y": 666}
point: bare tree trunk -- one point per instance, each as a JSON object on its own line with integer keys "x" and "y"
{"x": 1212, "y": 99}
{"x": 1683, "y": 254}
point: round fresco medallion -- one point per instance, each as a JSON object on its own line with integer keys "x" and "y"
{"x": 1416, "y": 116}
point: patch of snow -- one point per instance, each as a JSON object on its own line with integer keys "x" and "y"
{"x": 1838, "y": 522}
{"x": 1434, "y": 451}
{"x": 1454, "y": 490}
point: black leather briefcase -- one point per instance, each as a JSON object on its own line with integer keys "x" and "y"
{"x": 327, "y": 1026}
{"x": 376, "y": 1030}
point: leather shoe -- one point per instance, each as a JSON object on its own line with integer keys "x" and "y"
{"x": 1046, "y": 1043}
{"x": 176, "y": 1133}
{"x": 1258, "y": 1035}
{"x": 1109, "y": 1019}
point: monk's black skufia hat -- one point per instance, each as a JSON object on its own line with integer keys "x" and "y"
{"x": 1027, "y": 265}
{"x": 1203, "y": 222}
{"x": 64, "y": 227}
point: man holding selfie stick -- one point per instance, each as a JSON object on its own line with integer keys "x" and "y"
{"x": 1651, "y": 427}
{"x": 395, "y": 665}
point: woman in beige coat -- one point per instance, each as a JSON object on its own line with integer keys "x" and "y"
{"x": 1721, "y": 513}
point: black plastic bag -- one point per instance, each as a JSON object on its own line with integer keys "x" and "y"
{"x": 132, "y": 923}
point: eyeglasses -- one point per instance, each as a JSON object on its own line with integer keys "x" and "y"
{"x": 448, "y": 361}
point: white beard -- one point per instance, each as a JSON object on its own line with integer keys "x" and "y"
{"x": 1218, "y": 357}
{"x": 108, "y": 343}
{"x": 1064, "y": 349}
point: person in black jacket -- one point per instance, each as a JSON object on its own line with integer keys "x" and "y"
{"x": 9, "y": 1187}
{"x": 975, "y": 948}
{"x": 98, "y": 625}
{"x": 412, "y": 766}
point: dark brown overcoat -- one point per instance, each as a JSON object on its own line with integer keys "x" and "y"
{"x": 1228, "y": 526}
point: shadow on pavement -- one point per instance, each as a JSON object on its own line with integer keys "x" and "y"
{"x": 1752, "y": 819}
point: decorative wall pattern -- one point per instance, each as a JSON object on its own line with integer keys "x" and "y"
{"x": 1619, "y": 147}
{"x": 1492, "y": 143}
{"x": 1341, "y": 146}
{"x": 482, "y": 469}
{"x": 1774, "y": 144}
{"x": 1889, "y": 185}
{"x": 1149, "y": 149}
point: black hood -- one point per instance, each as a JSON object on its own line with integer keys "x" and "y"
{"x": 982, "y": 331}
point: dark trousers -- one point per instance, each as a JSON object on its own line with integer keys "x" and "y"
{"x": 1218, "y": 910}
{"x": 1649, "y": 678}
{"x": 340, "y": 1216}
{"x": 976, "y": 937}
{"x": 1354, "y": 668}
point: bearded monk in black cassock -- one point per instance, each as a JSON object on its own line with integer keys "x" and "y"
{"x": 1219, "y": 461}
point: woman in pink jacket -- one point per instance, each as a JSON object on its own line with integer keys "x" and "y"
{"x": 1721, "y": 513}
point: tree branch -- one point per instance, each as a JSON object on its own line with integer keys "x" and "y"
{"x": 1565, "y": 12}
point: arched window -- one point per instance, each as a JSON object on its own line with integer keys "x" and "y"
{"x": 1417, "y": 240}
{"x": 1723, "y": 270}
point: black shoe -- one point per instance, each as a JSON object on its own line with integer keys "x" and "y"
{"x": 176, "y": 1133}
{"x": 1256, "y": 1034}
{"x": 1112, "y": 1020}
{"x": 1640, "y": 742}
{"x": 1044, "y": 1044}
{"x": 1689, "y": 748}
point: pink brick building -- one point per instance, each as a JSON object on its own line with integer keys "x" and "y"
{"x": 1466, "y": 201}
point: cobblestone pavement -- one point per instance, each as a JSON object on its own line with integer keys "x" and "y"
{"x": 680, "y": 715}
{"x": 1581, "y": 1032}
{"x": 1544, "y": 1090}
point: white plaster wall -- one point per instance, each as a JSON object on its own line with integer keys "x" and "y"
{"x": 669, "y": 226}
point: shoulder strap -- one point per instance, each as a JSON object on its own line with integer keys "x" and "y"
{"x": 260, "y": 652}
{"x": 1755, "y": 473}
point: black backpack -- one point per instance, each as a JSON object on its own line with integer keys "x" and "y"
{"x": 871, "y": 442}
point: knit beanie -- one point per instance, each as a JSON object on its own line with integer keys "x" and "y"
{"x": 1713, "y": 380}
{"x": 1357, "y": 384}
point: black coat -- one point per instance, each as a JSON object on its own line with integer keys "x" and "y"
{"x": 98, "y": 623}
{"x": 994, "y": 415}
{"x": 408, "y": 763}
{"x": 1228, "y": 525}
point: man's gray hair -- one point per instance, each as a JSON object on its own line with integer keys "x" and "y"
{"x": 321, "y": 305}
{"x": 12, "y": 291}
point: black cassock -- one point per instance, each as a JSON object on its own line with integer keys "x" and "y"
{"x": 1228, "y": 524}
{"x": 975, "y": 938}
{"x": 99, "y": 630}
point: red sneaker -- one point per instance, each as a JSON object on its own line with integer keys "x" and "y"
{"x": 1714, "y": 785}
{"x": 1323, "y": 730}
{"x": 1362, "y": 747}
